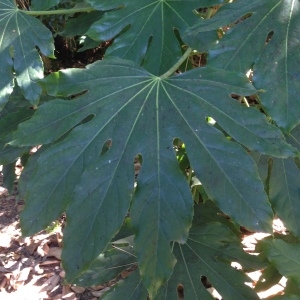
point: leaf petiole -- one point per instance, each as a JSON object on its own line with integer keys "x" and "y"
{"x": 57, "y": 12}
{"x": 177, "y": 64}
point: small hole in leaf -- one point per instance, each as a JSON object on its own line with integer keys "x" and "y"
{"x": 205, "y": 282}
{"x": 138, "y": 161}
{"x": 269, "y": 36}
{"x": 181, "y": 155}
{"x": 106, "y": 146}
{"x": 210, "y": 121}
{"x": 180, "y": 291}
{"x": 87, "y": 119}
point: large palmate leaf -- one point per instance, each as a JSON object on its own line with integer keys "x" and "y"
{"x": 244, "y": 45}
{"x": 139, "y": 113}
{"x": 209, "y": 250}
{"x": 19, "y": 37}
{"x": 149, "y": 25}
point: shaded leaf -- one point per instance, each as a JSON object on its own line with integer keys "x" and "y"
{"x": 109, "y": 264}
{"x": 71, "y": 27}
{"x": 286, "y": 297}
{"x": 284, "y": 187}
{"x": 208, "y": 252}
{"x": 142, "y": 114}
{"x": 9, "y": 176}
{"x": 43, "y": 5}
{"x": 285, "y": 257}
{"x": 19, "y": 38}
{"x": 9, "y": 154}
{"x": 147, "y": 29}
{"x": 131, "y": 286}
{"x": 269, "y": 277}
{"x": 244, "y": 45}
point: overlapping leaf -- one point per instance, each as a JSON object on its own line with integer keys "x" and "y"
{"x": 19, "y": 37}
{"x": 205, "y": 253}
{"x": 150, "y": 40}
{"x": 244, "y": 45}
{"x": 142, "y": 114}
{"x": 285, "y": 257}
{"x": 283, "y": 185}
{"x": 208, "y": 252}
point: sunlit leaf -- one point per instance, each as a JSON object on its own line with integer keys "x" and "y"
{"x": 20, "y": 35}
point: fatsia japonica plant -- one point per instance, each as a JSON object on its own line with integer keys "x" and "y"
{"x": 203, "y": 95}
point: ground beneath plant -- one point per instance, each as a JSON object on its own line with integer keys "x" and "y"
{"x": 30, "y": 267}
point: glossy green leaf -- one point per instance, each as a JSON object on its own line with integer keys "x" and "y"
{"x": 285, "y": 257}
{"x": 147, "y": 29}
{"x": 244, "y": 45}
{"x": 208, "y": 252}
{"x": 19, "y": 37}
{"x": 142, "y": 114}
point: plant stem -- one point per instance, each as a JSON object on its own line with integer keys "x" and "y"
{"x": 57, "y": 12}
{"x": 177, "y": 64}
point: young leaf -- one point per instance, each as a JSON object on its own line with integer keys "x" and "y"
{"x": 244, "y": 45}
{"x": 20, "y": 36}
{"x": 142, "y": 114}
{"x": 149, "y": 36}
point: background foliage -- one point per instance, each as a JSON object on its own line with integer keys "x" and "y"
{"x": 202, "y": 94}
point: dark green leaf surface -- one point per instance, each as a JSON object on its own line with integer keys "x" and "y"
{"x": 109, "y": 264}
{"x": 9, "y": 176}
{"x": 150, "y": 40}
{"x": 208, "y": 251}
{"x": 244, "y": 45}
{"x": 71, "y": 27}
{"x": 9, "y": 154}
{"x": 43, "y": 5}
{"x": 285, "y": 257}
{"x": 284, "y": 189}
{"x": 130, "y": 288}
{"x": 269, "y": 277}
{"x": 142, "y": 114}
{"x": 20, "y": 35}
